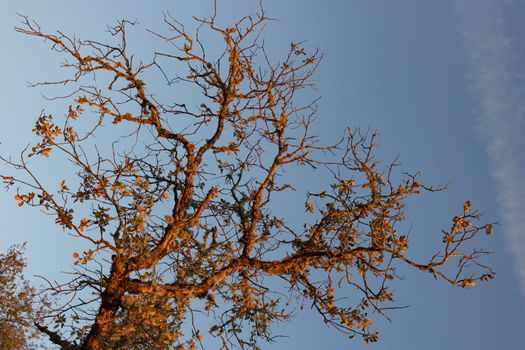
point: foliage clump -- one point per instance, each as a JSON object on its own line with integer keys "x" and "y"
{"x": 17, "y": 310}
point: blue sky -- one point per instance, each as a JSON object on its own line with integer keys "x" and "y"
{"x": 442, "y": 81}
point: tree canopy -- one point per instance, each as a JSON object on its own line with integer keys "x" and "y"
{"x": 175, "y": 200}
{"x": 17, "y": 297}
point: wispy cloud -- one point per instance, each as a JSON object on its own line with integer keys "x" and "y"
{"x": 497, "y": 78}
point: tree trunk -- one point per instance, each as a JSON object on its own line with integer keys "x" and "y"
{"x": 110, "y": 302}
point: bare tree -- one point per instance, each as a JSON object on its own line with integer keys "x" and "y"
{"x": 178, "y": 210}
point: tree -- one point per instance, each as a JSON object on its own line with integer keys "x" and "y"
{"x": 176, "y": 210}
{"x": 17, "y": 314}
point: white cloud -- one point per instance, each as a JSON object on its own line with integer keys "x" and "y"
{"x": 496, "y": 77}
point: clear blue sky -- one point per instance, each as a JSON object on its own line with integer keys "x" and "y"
{"x": 442, "y": 81}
